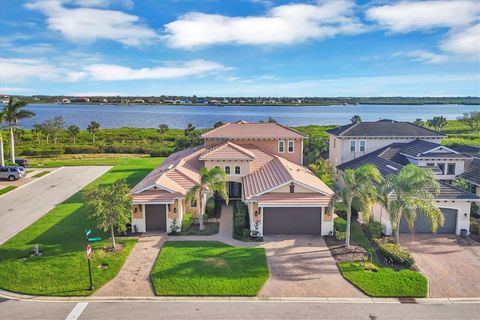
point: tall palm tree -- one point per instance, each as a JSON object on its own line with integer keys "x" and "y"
{"x": 73, "y": 132}
{"x": 358, "y": 190}
{"x": 2, "y": 155}
{"x": 162, "y": 129}
{"x": 409, "y": 193}
{"x": 12, "y": 113}
{"x": 93, "y": 128}
{"x": 213, "y": 181}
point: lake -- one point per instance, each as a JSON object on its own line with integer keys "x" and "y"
{"x": 178, "y": 116}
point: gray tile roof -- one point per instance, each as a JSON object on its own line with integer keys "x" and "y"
{"x": 384, "y": 128}
{"x": 450, "y": 192}
{"x": 473, "y": 151}
{"x": 472, "y": 172}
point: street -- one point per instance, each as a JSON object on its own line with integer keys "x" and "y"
{"x": 12, "y": 310}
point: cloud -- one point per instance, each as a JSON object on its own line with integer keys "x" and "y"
{"x": 465, "y": 43}
{"x": 424, "y": 56}
{"x": 409, "y": 16}
{"x": 18, "y": 70}
{"x": 129, "y": 4}
{"x": 116, "y": 72}
{"x": 282, "y": 25}
{"x": 90, "y": 24}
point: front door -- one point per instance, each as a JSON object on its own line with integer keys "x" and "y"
{"x": 156, "y": 217}
{"x": 234, "y": 190}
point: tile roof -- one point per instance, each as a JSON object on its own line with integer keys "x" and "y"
{"x": 293, "y": 199}
{"x": 155, "y": 196}
{"x": 450, "y": 192}
{"x": 472, "y": 172}
{"x": 245, "y": 130}
{"x": 420, "y": 149}
{"x": 473, "y": 151}
{"x": 383, "y": 128}
{"x": 227, "y": 151}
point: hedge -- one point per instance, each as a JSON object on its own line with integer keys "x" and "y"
{"x": 187, "y": 221}
{"x": 396, "y": 253}
{"x": 375, "y": 229}
{"x": 340, "y": 224}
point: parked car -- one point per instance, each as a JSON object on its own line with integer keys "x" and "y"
{"x": 22, "y": 162}
{"x": 12, "y": 173}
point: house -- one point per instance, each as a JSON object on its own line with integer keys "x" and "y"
{"x": 389, "y": 146}
{"x": 263, "y": 165}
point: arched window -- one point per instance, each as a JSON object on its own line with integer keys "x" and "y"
{"x": 227, "y": 169}
{"x": 237, "y": 170}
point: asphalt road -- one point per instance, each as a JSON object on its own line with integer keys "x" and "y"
{"x": 21, "y": 207}
{"x": 13, "y": 310}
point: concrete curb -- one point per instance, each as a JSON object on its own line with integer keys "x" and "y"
{"x": 93, "y": 299}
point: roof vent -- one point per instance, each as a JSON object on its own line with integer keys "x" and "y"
{"x": 170, "y": 167}
{"x": 391, "y": 167}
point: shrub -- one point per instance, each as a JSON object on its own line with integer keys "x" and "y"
{"x": 340, "y": 224}
{"x": 396, "y": 253}
{"x": 475, "y": 226}
{"x": 187, "y": 221}
{"x": 375, "y": 229}
{"x": 240, "y": 221}
{"x": 210, "y": 208}
{"x": 42, "y": 152}
{"x": 339, "y": 235}
{"x": 82, "y": 149}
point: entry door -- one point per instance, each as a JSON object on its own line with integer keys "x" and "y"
{"x": 155, "y": 217}
{"x": 234, "y": 190}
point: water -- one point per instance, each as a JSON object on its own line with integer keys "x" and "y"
{"x": 178, "y": 116}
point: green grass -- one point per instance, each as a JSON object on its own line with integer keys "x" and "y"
{"x": 62, "y": 268}
{"x": 41, "y": 174}
{"x": 7, "y": 189}
{"x": 209, "y": 268}
{"x": 384, "y": 282}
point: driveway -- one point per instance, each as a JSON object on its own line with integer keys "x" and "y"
{"x": 451, "y": 264}
{"x": 302, "y": 266}
{"x": 21, "y": 207}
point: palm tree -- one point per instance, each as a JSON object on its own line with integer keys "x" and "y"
{"x": 162, "y": 129}
{"x": 409, "y": 192}
{"x": 37, "y": 130}
{"x": 213, "y": 181}
{"x": 73, "y": 132}
{"x": 189, "y": 130}
{"x": 93, "y": 128}
{"x": 358, "y": 190}
{"x": 12, "y": 113}
{"x": 2, "y": 155}
{"x": 356, "y": 119}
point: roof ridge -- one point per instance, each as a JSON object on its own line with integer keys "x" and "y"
{"x": 350, "y": 128}
{"x": 215, "y": 129}
{"x": 416, "y": 125}
{"x": 288, "y": 128}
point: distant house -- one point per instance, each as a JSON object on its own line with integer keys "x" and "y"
{"x": 389, "y": 146}
{"x": 263, "y": 165}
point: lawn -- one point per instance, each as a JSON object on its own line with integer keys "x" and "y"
{"x": 7, "y": 189}
{"x": 384, "y": 282}
{"x": 209, "y": 268}
{"x": 41, "y": 174}
{"x": 62, "y": 268}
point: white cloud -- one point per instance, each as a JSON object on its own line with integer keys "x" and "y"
{"x": 424, "y": 56}
{"x": 89, "y": 24}
{"x": 129, "y": 4}
{"x": 285, "y": 24}
{"x": 409, "y": 16}
{"x": 116, "y": 72}
{"x": 465, "y": 43}
{"x": 18, "y": 70}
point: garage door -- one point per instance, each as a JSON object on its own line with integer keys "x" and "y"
{"x": 155, "y": 217}
{"x": 422, "y": 225}
{"x": 292, "y": 220}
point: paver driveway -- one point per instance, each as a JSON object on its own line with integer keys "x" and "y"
{"x": 302, "y": 266}
{"x": 451, "y": 267}
{"x": 22, "y": 206}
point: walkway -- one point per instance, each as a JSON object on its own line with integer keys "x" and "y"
{"x": 134, "y": 278}
{"x": 21, "y": 207}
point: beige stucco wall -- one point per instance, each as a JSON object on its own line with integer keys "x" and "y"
{"x": 244, "y": 168}
{"x": 298, "y": 189}
{"x": 268, "y": 146}
{"x": 341, "y": 153}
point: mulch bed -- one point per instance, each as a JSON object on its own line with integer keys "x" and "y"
{"x": 341, "y": 253}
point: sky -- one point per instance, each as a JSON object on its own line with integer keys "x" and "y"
{"x": 240, "y": 48}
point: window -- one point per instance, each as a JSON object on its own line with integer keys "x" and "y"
{"x": 362, "y": 145}
{"x": 281, "y": 146}
{"x": 227, "y": 169}
{"x": 441, "y": 166}
{"x": 291, "y": 146}
{"x": 193, "y": 204}
{"x": 451, "y": 169}
{"x": 430, "y": 164}
{"x": 334, "y": 143}
{"x": 352, "y": 145}
{"x": 237, "y": 170}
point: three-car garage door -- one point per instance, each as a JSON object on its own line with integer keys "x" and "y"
{"x": 422, "y": 225}
{"x": 156, "y": 217}
{"x": 296, "y": 220}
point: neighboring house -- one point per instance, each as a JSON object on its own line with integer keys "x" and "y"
{"x": 389, "y": 146}
{"x": 263, "y": 165}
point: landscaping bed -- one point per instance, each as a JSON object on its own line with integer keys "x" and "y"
{"x": 210, "y": 228}
{"x": 62, "y": 270}
{"x": 209, "y": 268}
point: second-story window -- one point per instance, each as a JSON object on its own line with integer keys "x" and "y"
{"x": 237, "y": 170}
{"x": 352, "y": 145}
{"x": 362, "y": 145}
{"x": 291, "y": 146}
{"x": 281, "y": 146}
{"x": 451, "y": 169}
{"x": 227, "y": 169}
